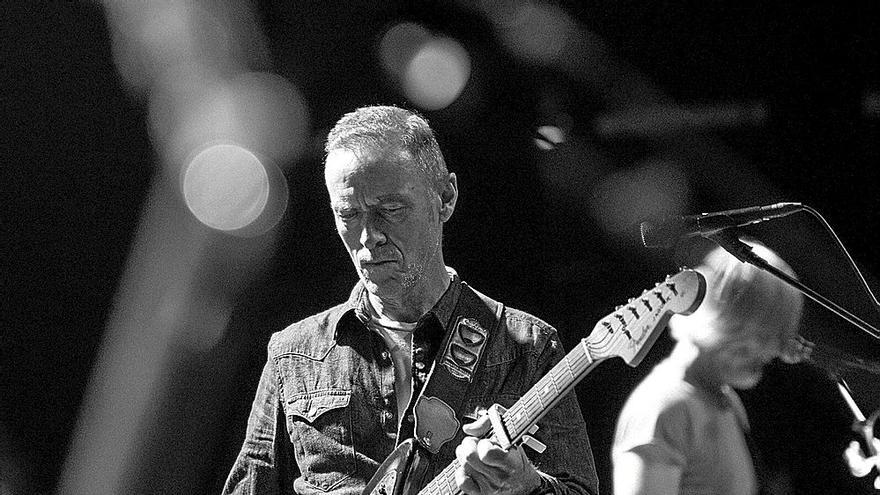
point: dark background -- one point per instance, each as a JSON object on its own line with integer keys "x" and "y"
{"x": 79, "y": 163}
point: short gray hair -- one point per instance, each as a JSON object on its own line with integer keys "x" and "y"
{"x": 390, "y": 128}
{"x": 738, "y": 291}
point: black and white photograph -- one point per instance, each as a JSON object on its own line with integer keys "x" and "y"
{"x": 441, "y": 247}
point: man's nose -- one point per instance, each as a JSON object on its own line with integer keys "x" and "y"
{"x": 371, "y": 233}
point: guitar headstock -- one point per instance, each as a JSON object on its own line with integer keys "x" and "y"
{"x": 631, "y": 330}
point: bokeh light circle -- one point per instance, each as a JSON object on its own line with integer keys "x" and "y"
{"x": 400, "y": 44}
{"x": 437, "y": 74}
{"x": 654, "y": 187}
{"x": 226, "y": 187}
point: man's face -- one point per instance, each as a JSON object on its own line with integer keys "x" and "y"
{"x": 387, "y": 218}
{"x": 740, "y": 362}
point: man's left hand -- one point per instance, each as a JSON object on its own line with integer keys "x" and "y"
{"x": 487, "y": 468}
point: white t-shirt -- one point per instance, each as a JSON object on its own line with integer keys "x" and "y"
{"x": 670, "y": 421}
{"x": 398, "y": 338}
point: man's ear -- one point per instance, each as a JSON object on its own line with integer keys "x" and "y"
{"x": 448, "y": 198}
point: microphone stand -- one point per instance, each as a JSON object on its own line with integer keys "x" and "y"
{"x": 727, "y": 239}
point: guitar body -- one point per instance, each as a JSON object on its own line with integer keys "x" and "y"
{"x": 402, "y": 473}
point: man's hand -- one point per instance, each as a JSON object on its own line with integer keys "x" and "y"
{"x": 487, "y": 468}
{"x": 859, "y": 464}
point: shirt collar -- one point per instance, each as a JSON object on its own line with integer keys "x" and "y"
{"x": 356, "y": 307}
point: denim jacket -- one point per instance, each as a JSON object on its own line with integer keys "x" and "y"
{"x": 325, "y": 412}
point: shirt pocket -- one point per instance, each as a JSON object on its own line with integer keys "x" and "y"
{"x": 321, "y": 430}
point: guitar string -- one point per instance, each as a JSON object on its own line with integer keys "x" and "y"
{"x": 532, "y": 401}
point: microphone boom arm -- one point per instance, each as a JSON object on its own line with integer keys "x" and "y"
{"x": 727, "y": 239}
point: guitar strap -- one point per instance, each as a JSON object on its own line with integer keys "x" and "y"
{"x": 439, "y": 409}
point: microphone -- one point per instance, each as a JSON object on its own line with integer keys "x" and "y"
{"x": 666, "y": 232}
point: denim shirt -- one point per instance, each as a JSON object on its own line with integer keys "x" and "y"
{"x": 325, "y": 412}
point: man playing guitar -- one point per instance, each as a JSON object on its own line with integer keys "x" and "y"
{"x": 414, "y": 353}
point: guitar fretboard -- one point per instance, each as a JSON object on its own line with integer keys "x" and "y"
{"x": 549, "y": 390}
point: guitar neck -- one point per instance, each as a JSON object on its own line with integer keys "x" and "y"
{"x": 529, "y": 409}
{"x": 549, "y": 390}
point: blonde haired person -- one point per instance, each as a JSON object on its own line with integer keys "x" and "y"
{"x": 683, "y": 430}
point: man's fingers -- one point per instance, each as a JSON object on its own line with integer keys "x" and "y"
{"x": 472, "y": 481}
{"x": 484, "y": 460}
{"x": 466, "y": 483}
{"x": 479, "y": 427}
{"x": 855, "y": 459}
{"x": 485, "y": 467}
{"x": 493, "y": 456}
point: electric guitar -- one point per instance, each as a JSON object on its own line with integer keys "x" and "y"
{"x": 628, "y": 333}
